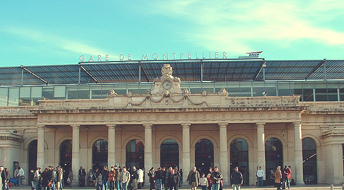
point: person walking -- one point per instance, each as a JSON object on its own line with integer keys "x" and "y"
{"x": 278, "y": 177}
{"x": 216, "y": 177}
{"x": 260, "y": 176}
{"x": 193, "y": 178}
{"x": 236, "y": 179}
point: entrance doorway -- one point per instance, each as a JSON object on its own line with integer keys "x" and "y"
{"x": 309, "y": 154}
{"x": 204, "y": 155}
{"x": 239, "y": 157}
{"x": 273, "y": 156}
{"x": 66, "y": 158}
{"x": 99, "y": 154}
{"x": 135, "y": 154}
{"x": 169, "y": 153}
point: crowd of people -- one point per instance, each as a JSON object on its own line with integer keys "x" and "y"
{"x": 123, "y": 178}
{"x": 172, "y": 179}
{"x": 49, "y": 178}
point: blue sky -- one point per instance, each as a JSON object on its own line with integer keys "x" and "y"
{"x": 58, "y": 32}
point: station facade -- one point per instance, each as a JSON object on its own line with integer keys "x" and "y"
{"x": 170, "y": 126}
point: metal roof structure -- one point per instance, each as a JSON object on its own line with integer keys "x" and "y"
{"x": 187, "y": 70}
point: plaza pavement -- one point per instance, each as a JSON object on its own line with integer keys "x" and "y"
{"x": 184, "y": 187}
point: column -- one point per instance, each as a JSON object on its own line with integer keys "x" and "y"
{"x": 186, "y": 150}
{"x": 75, "y": 153}
{"x": 224, "y": 152}
{"x": 298, "y": 170}
{"x": 40, "y": 145}
{"x": 261, "y": 146}
{"x": 111, "y": 145}
{"x": 148, "y": 149}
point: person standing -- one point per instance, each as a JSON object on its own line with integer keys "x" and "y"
{"x": 193, "y": 178}
{"x": 216, "y": 177}
{"x": 260, "y": 176}
{"x": 278, "y": 177}
{"x": 82, "y": 174}
{"x": 134, "y": 176}
{"x": 287, "y": 173}
{"x": 105, "y": 178}
{"x": 70, "y": 177}
{"x": 124, "y": 178}
{"x": 181, "y": 177}
{"x": 90, "y": 178}
{"x": 158, "y": 177}
{"x": 152, "y": 177}
{"x": 21, "y": 174}
{"x": 236, "y": 179}
{"x": 140, "y": 179}
{"x": 112, "y": 176}
{"x": 203, "y": 182}
{"x": 31, "y": 180}
{"x": 59, "y": 178}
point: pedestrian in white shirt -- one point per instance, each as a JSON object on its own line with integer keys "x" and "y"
{"x": 260, "y": 176}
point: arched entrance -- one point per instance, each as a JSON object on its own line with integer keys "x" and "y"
{"x": 169, "y": 153}
{"x": 32, "y": 156}
{"x": 309, "y": 154}
{"x": 99, "y": 154}
{"x": 273, "y": 155}
{"x": 135, "y": 154}
{"x": 204, "y": 155}
{"x": 66, "y": 157}
{"x": 239, "y": 157}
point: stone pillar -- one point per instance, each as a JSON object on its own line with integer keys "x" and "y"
{"x": 186, "y": 150}
{"x": 224, "y": 152}
{"x": 261, "y": 146}
{"x": 298, "y": 170}
{"x": 75, "y": 154}
{"x": 40, "y": 145}
{"x": 148, "y": 149}
{"x": 111, "y": 145}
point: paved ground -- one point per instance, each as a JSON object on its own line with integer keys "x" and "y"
{"x": 306, "y": 187}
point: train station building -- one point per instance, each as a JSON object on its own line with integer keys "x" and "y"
{"x": 179, "y": 113}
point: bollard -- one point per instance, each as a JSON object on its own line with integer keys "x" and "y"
{"x": 331, "y": 187}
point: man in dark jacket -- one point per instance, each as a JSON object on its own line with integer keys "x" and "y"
{"x": 105, "y": 178}
{"x": 82, "y": 174}
{"x": 193, "y": 178}
{"x": 236, "y": 179}
{"x": 216, "y": 178}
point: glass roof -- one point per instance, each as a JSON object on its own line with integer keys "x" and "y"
{"x": 186, "y": 70}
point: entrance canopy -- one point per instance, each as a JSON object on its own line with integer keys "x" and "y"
{"x": 186, "y": 70}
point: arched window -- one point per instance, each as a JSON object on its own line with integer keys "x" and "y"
{"x": 309, "y": 154}
{"x": 169, "y": 153}
{"x": 135, "y": 154}
{"x": 204, "y": 155}
{"x": 32, "y": 155}
{"x": 239, "y": 157}
{"x": 100, "y": 154}
{"x": 273, "y": 155}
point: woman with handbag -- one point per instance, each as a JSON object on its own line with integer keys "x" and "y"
{"x": 278, "y": 177}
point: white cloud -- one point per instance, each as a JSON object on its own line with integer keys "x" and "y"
{"x": 233, "y": 25}
{"x": 51, "y": 40}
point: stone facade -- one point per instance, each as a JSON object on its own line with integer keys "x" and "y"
{"x": 168, "y": 112}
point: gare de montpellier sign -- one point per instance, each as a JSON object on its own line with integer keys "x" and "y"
{"x": 166, "y": 56}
